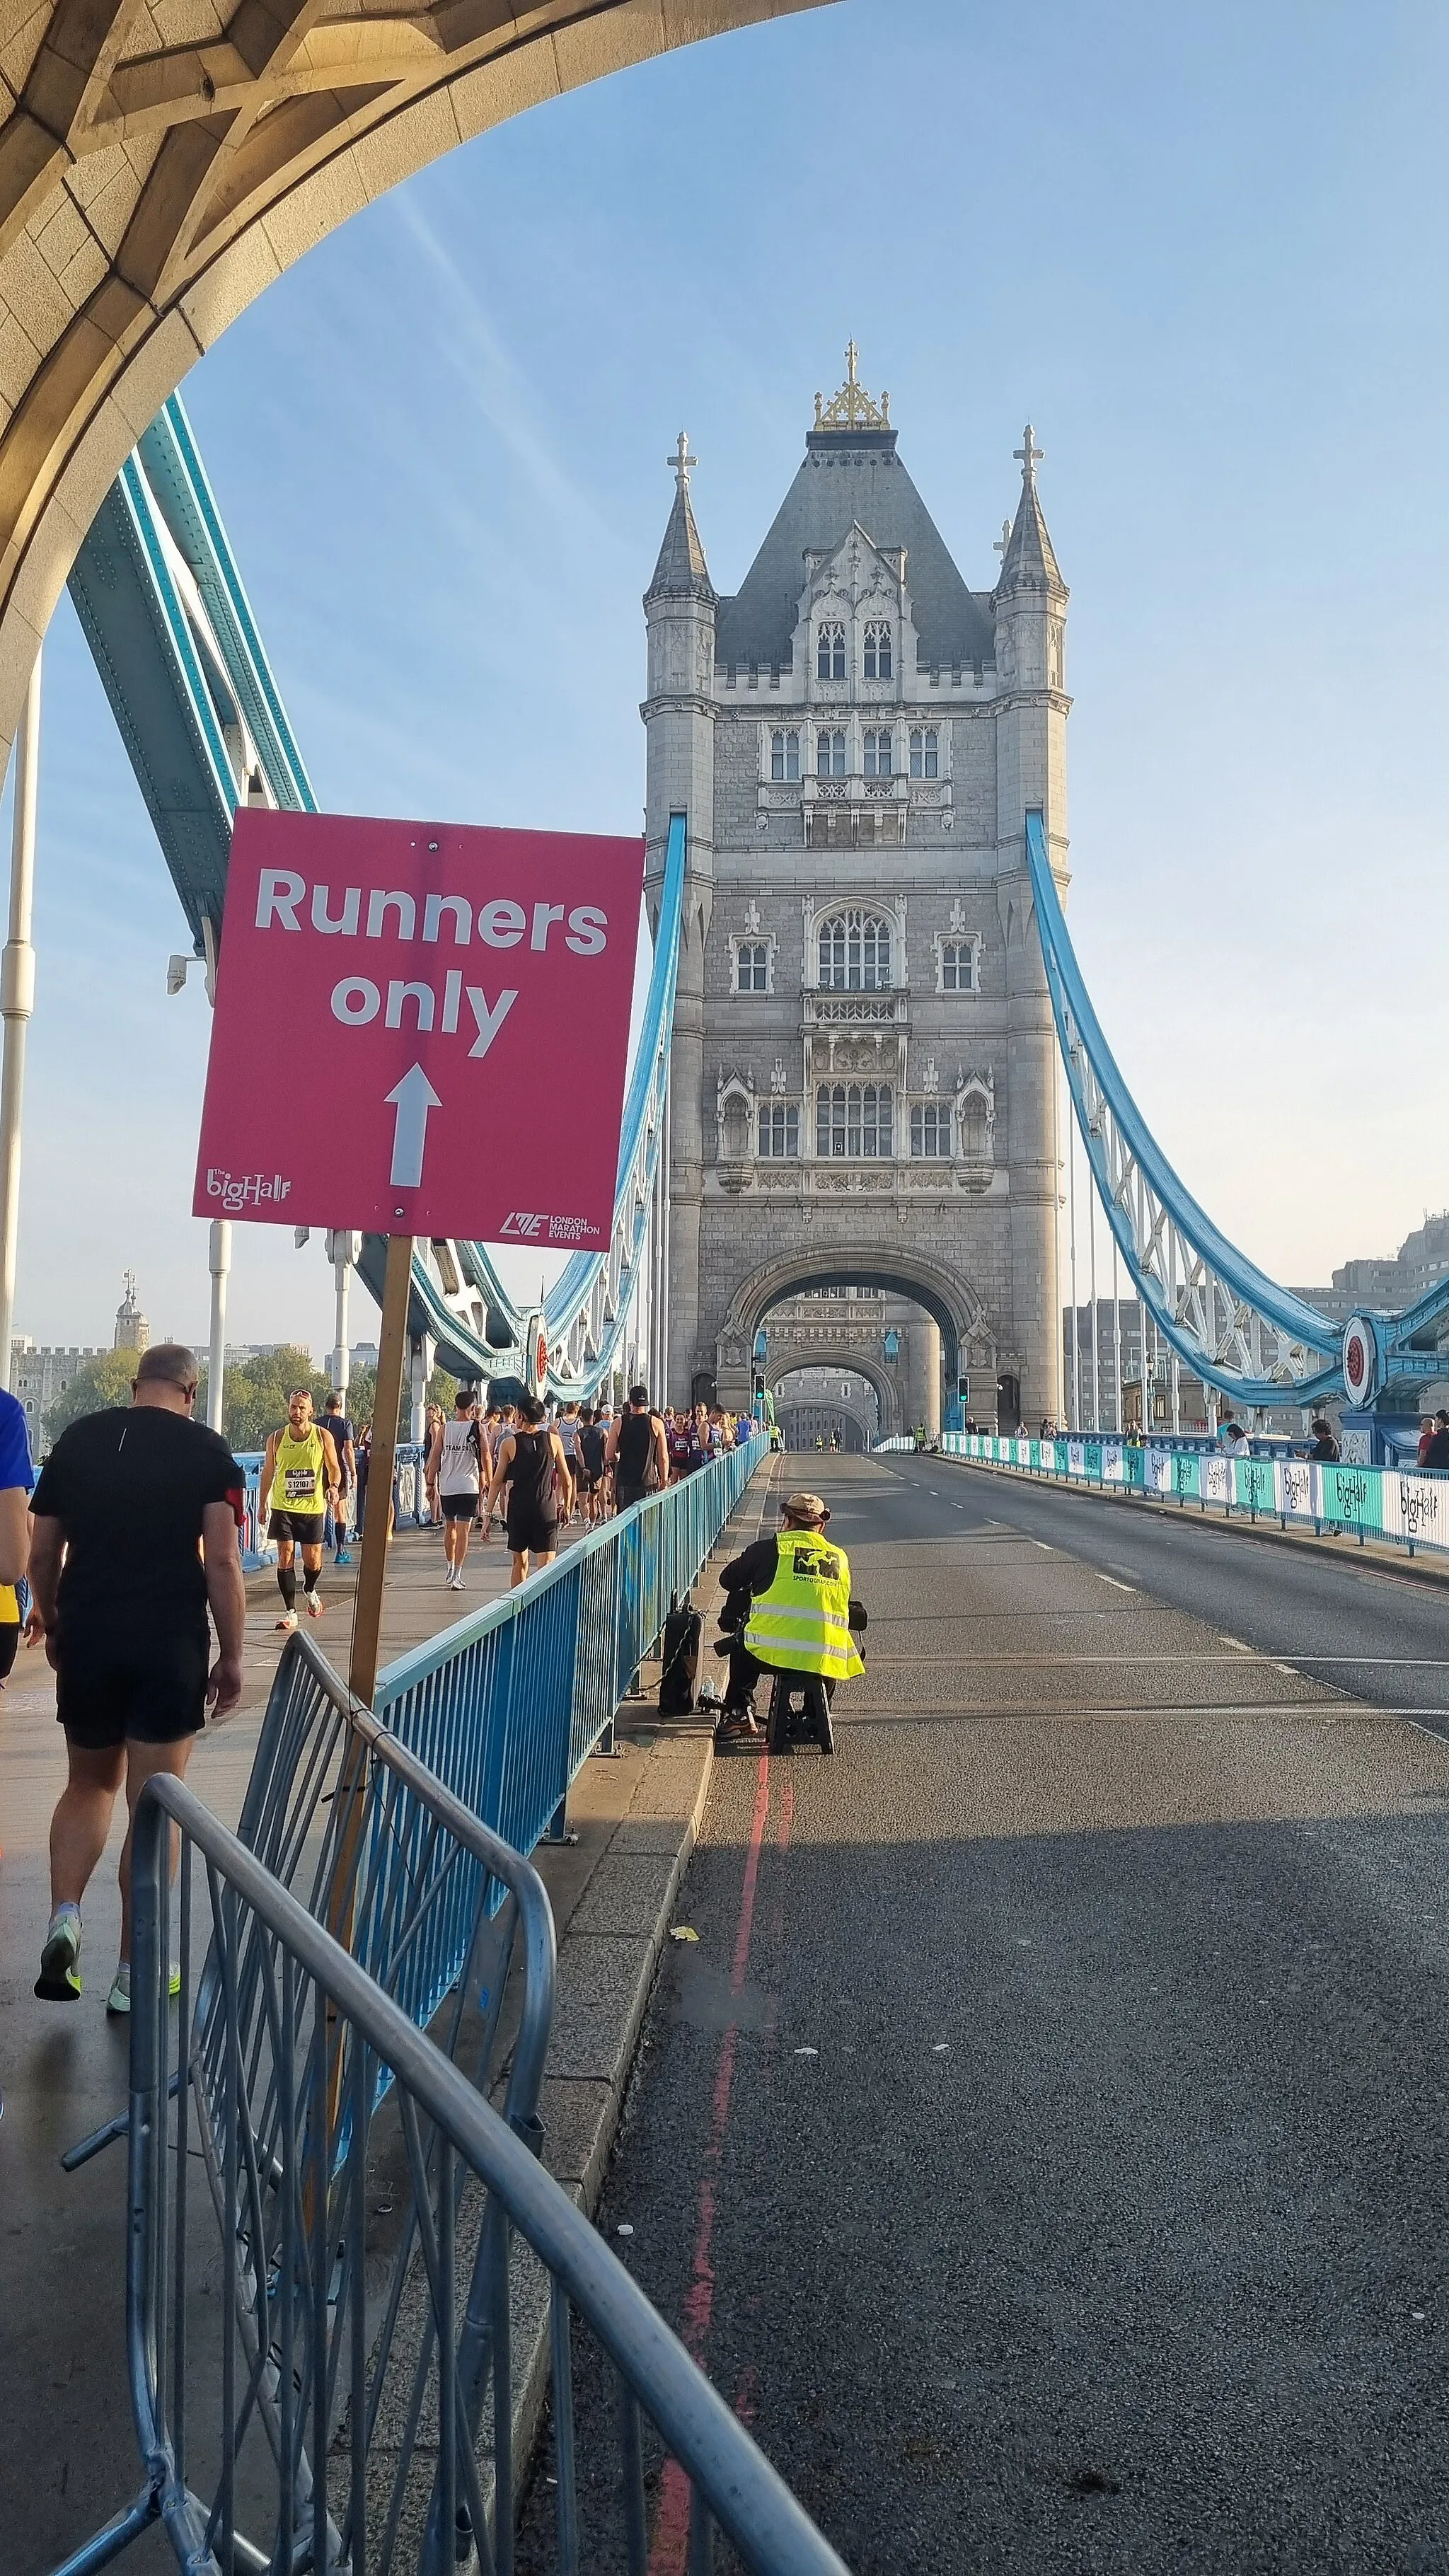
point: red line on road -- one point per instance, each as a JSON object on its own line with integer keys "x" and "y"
{"x": 671, "y": 2529}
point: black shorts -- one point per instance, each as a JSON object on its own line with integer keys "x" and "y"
{"x": 624, "y": 1495}
{"x": 305, "y": 1527}
{"x": 459, "y": 1507}
{"x": 145, "y": 1690}
{"x": 530, "y": 1534}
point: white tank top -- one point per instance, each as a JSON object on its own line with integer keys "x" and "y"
{"x": 458, "y": 1465}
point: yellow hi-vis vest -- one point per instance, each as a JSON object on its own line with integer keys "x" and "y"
{"x": 299, "y": 1481}
{"x": 801, "y": 1625}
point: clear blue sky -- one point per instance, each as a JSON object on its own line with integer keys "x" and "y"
{"x": 1201, "y": 250}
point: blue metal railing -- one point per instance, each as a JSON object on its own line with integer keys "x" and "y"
{"x": 507, "y": 1705}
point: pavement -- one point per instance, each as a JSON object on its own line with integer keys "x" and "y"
{"x": 68, "y": 2459}
{"x": 1044, "y": 2143}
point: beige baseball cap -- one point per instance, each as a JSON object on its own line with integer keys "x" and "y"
{"x": 805, "y": 1507}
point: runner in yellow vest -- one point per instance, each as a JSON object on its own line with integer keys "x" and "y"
{"x": 799, "y": 1610}
{"x": 300, "y": 1478}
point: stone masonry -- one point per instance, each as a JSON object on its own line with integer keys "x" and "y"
{"x": 864, "y": 1071}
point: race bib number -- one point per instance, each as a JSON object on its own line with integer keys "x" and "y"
{"x": 301, "y": 1484}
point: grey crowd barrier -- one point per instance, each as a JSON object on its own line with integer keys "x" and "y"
{"x": 432, "y": 1902}
{"x": 306, "y": 2435}
{"x": 507, "y": 1705}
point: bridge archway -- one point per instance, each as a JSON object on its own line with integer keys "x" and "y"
{"x": 948, "y": 1299}
{"x": 804, "y": 1411}
{"x": 150, "y": 191}
{"x": 843, "y": 1360}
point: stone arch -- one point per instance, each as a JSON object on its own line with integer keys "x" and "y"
{"x": 850, "y": 1363}
{"x": 837, "y": 1405}
{"x": 150, "y": 191}
{"x": 901, "y": 1272}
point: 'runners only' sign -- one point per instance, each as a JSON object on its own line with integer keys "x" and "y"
{"x": 421, "y": 1028}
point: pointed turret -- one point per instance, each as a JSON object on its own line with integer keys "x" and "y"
{"x": 679, "y": 712}
{"x": 681, "y": 572}
{"x": 1028, "y": 561}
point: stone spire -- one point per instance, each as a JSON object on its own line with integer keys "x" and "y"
{"x": 681, "y": 572}
{"x": 132, "y": 1333}
{"x": 1028, "y": 561}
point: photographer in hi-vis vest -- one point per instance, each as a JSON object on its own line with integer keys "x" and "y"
{"x": 788, "y": 1610}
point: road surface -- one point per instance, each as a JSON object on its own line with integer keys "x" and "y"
{"x": 1044, "y": 2143}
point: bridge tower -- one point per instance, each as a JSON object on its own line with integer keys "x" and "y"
{"x": 863, "y": 1077}
{"x": 679, "y": 610}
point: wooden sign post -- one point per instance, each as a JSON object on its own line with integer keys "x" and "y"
{"x": 377, "y": 1527}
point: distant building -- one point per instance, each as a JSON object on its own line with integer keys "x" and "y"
{"x": 1391, "y": 1282}
{"x": 132, "y": 1332}
{"x": 1083, "y": 1349}
{"x": 39, "y": 1379}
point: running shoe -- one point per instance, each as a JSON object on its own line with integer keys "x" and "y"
{"x": 344, "y": 1556}
{"x": 119, "y": 1998}
{"x": 314, "y": 1606}
{"x": 59, "y": 1978}
{"x": 286, "y": 1625}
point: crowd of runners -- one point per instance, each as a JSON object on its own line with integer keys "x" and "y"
{"x": 535, "y": 1468}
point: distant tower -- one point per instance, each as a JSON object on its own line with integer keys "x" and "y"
{"x": 679, "y": 611}
{"x": 1029, "y": 607}
{"x": 862, "y": 1085}
{"x": 132, "y": 1330}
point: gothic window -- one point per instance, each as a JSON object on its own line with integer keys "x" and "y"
{"x": 784, "y": 754}
{"x": 752, "y": 966}
{"x": 930, "y": 1128}
{"x": 925, "y": 751}
{"x": 879, "y": 753}
{"x": 853, "y": 1121}
{"x": 958, "y": 965}
{"x": 973, "y": 1127}
{"x": 830, "y": 755}
{"x": 855, "y": 954}
{"x": 830, "y": 650}
{"x": 735, "y": 1129}
{"x": 878, "y": 651}
{"x": 780, "y": 1130}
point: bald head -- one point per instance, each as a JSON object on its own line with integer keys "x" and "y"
{"x": 168, "y": 1375}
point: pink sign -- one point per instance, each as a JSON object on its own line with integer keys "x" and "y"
{"x": 421, "y": 1028}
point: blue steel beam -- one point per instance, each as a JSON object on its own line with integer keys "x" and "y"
{"x": 1233, "y": 1325}
{"x": 165, "y": 612}
{"x": 171, "y": 631}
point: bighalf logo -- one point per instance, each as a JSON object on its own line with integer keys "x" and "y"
{"x": 524, "y": 1225}
{"x": 245, "y": 1189}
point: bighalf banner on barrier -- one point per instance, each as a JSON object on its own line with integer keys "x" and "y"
{"x": 1397, "y": 1503}
{"x": 433, "y": 978}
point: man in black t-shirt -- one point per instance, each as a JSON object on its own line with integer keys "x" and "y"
{"x": 135, "y": 1538}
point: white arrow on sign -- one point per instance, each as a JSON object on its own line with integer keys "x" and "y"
{"x": 413, "y": 1097}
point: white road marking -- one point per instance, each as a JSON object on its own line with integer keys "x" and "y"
{"x": 1112, "y": 1579}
